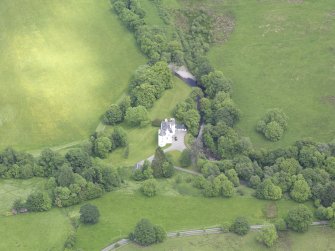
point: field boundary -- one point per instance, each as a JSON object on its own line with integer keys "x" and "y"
{"x": 195, "y": 232}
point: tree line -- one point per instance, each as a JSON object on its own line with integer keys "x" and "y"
{"x": 72, "y": 178}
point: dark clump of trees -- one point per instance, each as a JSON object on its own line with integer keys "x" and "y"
{"x": 144, "y": 172}
{"x": 116, "y": 112}
{"x": 149, "y": 187}
{"x": 186, "y": 158}
{"x": 102, "y": 145}
{"x": 72, "y": 178}
{"x": 273, "y": 124}
{"x": 148, "y": 84}
{"x": 299, "y": 218}
{"x": 89, "y": 214}
{"x": 186, "y": 112}
{"x": 38, "y": 202}
{"x": 240, "y": 226}
{"x": 268, "y": 235}
{"x": 146, "y": 233}
{"x": 161, "y": 165}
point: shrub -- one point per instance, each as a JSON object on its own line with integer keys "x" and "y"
{"x": 268, "y": 235}
{"x": 18, "y": 204}
{"x": 70, "y": 240}
{"x": 146, "y": 233}
{"x": 159, "y": 233}
{"x": 273, "y": 124}
{"x": 149, "y": 188}
{"x": 113, "y": 115}
{"x": 226, "y": 227}
{"x": 240, "y": 226}
{"x": 185, "y": 158}
{"x": 89, "y": 214}
{"x": 136, "y": 116}
{"x": 299, "y": 218}
{"x": 38, "y": 202}
{"x": 281, "y": 224}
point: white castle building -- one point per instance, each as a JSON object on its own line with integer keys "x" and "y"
{"x": 167, "y": 133}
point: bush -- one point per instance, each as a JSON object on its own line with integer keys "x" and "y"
{"x": 226, "y": 227}
{"x": 185, "y": 158}
{"x": 149, "y": 187}
{"x": 273, "y": 124}
{"x": 113, "y": 115}
{"x": 281, "y": 224}
{"x": 240, "y": 226}
{"x": 70, "y": 240}
{"x": 146, "y": 233}
{"x": 89, "y": 214}
{"x": 136, "y": 116}
{"x": 299, "y": 218}
{"x": 38, "y": 202}
{"x": 268, "y": 235}
{"x": 159, "y": 233}
{"x": 18, "y": 204}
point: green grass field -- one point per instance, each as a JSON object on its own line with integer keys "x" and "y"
{"x": 11, "y": 189}
{"x": 121, "y": 210}
{"x": 34, "y": 231}
{"x": 281, "y": 54}
{"x": 61, "y": 65}
{"x": 317, "y": 238}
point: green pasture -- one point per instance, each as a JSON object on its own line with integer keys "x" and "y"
{"x": 61, "y": 64}
{"x": 11, "y": 189}
{"x": 317, "y": 238}
{"x": 34, "y": 231}
{"x": 280, "y": 55}
{"x": 121, "y": 210}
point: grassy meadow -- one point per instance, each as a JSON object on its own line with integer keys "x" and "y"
{"x": 176, "y": 207}
{"x": 317, "y": 238}
{"x": 34, "y": 231}
{"x": 280, "y": 55}
{"x": 11, "y": 189}
{"x": 61, "y": 64}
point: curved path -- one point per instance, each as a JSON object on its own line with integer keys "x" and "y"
{"x": 195, "y": 232}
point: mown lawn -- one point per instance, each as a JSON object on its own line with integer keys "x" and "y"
{"x": 121, "y": 210}
{"x": 277, "y": 57}
{"x": 11, "y": 189}
{"x": 34, "y": 231}
{"x": 317, "y": 238}
{"x": 61, "y": 64}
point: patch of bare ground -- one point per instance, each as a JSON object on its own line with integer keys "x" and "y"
{"x": 270, "y": 211}
{"x": 329, "y": 100}
{"x": 222, "y": 24}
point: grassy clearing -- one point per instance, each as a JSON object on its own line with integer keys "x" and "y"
{"x": 121, "y": 210}
{"x": 317, "y": 238}
{"x": 34, "y": 231}
{"x": 175, "y": 156}
{"x": 61, "y": 65}
{"x": 278, "y": 58}
{"x": 143, "y": 141}
{"x": 151, "y": 14}
{"x": 11, "y": 189}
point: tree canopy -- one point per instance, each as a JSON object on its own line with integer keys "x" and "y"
{"x": 89, "y": 214}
